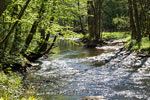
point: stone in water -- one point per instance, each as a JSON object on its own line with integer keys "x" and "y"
{"x": 93, "y": 98}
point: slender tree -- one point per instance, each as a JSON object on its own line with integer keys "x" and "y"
{"x": 33, "y": 30}
{"x": 132, "y": 22}
{"x": 137, "y": 20}
{"x": 16, "y": 22}
{"x": 80, "y": 19}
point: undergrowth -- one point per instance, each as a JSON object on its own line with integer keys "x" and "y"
{"x": 132, "y": 45}
{"x": 116, "y": 35}
{"x": 142, "y": 47}
{"x": 11, "y": 88}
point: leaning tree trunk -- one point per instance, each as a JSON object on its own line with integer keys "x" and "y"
{"x": 44, "y": 45}
{"x": 30, "y": 37}
{"x": 32, "y": 31}
{"x": 42, "y": 48}
{"x": 16, "y": 22}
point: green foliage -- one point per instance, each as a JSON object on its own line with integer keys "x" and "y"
{"x": 116, "y": 35}
{"x": 7, "y": 61}
{"x": 11, "y": 88}
{"x": 60, "y": 97}
{"x": 70, "y": 34}
{"x": 142, "y": 46}
{"x": 114, "y": 10}
{"x": 64, "y": 13}
{"x": 122, "y": 23}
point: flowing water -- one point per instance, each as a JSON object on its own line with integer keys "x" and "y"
{"x": 70, "y": 75}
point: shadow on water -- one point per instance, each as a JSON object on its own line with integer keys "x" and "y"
{"x": 68, "y": 75}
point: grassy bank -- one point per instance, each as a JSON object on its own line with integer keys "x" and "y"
{"x": 142, "y": 47}
{"x": 124, "y": 36}
{"x": 12, "y": 88}
{"x": 132, "y": 45}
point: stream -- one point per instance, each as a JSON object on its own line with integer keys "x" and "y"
{"x": 74, "y": 72}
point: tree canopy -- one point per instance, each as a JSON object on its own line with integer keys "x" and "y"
{"x": 27, "y": 26}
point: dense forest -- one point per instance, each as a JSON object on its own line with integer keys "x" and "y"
{"x": 29, "y": 29}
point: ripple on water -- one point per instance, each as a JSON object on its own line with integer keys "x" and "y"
{"x": 77, "y": 77}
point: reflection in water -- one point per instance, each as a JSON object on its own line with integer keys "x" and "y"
{"x": 69, "y": 75}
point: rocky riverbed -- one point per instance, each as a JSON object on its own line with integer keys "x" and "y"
{"x": 120, "y": 57}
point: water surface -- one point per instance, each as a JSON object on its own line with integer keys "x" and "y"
{"x": 70, "y": 75}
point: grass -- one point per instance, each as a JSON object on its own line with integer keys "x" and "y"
{"x": 11, "y": 88}
{"x": 116, "y": 35}
{"x": 132, "y": 45}
{"x": 143, "y": 46}
{"x": 70, "y": 34}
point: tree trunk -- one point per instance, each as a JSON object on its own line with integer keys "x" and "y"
{"x": 32, "y": 31}
{"x": 132, "y": 22}
{"x": 80, "y": 19}
{"x": 98, "y": 18}
{"x": 51, "y": 46}
{"x": 142, "y": 16}
{"x": 136, "y": 17}
{"x": 95, "y": 19}
{"x": 90, "y": 19}
{"x": 15, "y": 24}
{"x": 17, "y": 40}
{"x": 42, "y": 48}
{"x": 2, "y": 6}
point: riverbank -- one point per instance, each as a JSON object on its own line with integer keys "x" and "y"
{"x": 122, "y": 58}
{"x": 126, "y": 53}
{"x": 12, "y": 88}
{"x": 141, "y": 47}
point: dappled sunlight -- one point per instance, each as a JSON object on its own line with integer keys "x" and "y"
{"x": 74, "y": 49}
{"x": 114, "y": 74}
